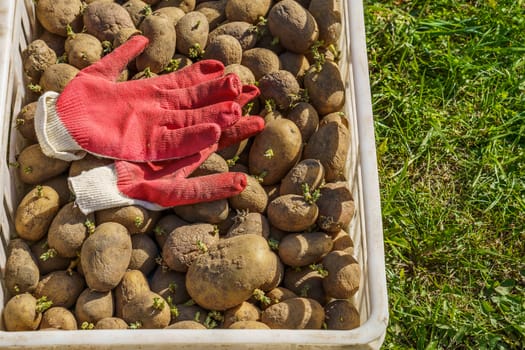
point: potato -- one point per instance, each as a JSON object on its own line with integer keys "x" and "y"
{"x": 272, "y": 191}
{"x": 35, "y": 213}
{"x": 260, "y": 61}
{"x": 295, "y": 63}
{"x": 60, "y": 185}
{"x": 275, "y": 151}
{"x": 294, "y": 313}
{"x": 224, "y": 48}
{"x": 48, "y": 259}
{"x": 344, "y": 274}
{"x": 293, "y": 25}
{"x": 253, "y": 198}
{"x": 68, "y": 230}
{"x": 307, "y": 175}
{"x": 83, "y": 49}
{"x": 247, "y": 11}
{"x": 25, "y": 122}
{"x": 104, "y": 19}
{"x": 134, "y": 218}
{"x": 187, "y": 312}
{"x": 185, "y": 5}
{"x": 188, "y": 324}
{"x": 281, "y": 87}
{"x": 105, "y": 256}
{"x": 336, "y": 206}
{"x": 186, "y": 243}
{"x": 56, "y": 15}
{"x": 338, "y": 117}
{"x": 306, "y": 118}
{"x": 276, "y": 274}
{"x": 21, "y": 273}
{"x": 60, "y": 287}
{"x": 58, "y": 317}
{"x": 292, "y": 213}
{"x": 111, "y": 323}
{"x": 343, "y": 241}
{"x": 245, "y": 222}
{"x": 174, "y": 14}
{"x": 330, "y": 144}
{"x": 148, "y": 310}
{"x": 212, "y": 165}
{"x": 133, "y": 284}
{"x": 242, "y": 312}
{"x": 248, "y": 325}
{"x": 165, "y": 225}
{"x": 54, "y": 41}
{"x": 143, "y": 254}
{"x": 215, "y": 12}
{"x": 192, "y": 34}
{"x": 242, "y": 31}
{"x": 21, "y": 314}
{"x": 306, "y": 282}
{"x": 328, "y": 17}
{"x": 158, "y": 29}
{"x": 325, "y": 88}
{"x": 92, "y": 306}
{"x": 137, "y": 10}
{"x": 208, "y": 212}
{"x": 301, "y": 249}
{"x": 277, "y": 295}
{"x": 169, "y": 283}
{"x": 228, "y": 273}
{"x": 35, "y": 167}
{"x": 123, "y": 35}
{"x": 57, "y": 76}
{"x": 341, "y": 314}
{"x": 35, "y": 59}
{"x": 245, "y": 75}
{"x": 88, "y": 162}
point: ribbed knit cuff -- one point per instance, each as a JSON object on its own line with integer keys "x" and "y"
{"x": 96, "y": 189}
{"x": 53, "y": 137}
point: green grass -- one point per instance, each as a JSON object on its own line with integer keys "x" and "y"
{"x": 448, "y": 89}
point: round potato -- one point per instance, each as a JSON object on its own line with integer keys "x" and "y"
{"x": 165, "y": 225}
{"x": 294, "y": 313}
{"x": 62, "y": 288}
{"x": 275, "y": 151}
{"x": 306, "y": 176}
{"x": 293, "y": 25}
{"x": 111, "y": 323}
{"x": 281, "y": 87}
{"x": 341, "y": 314}
{"x": 104, "y": 19}
{"x": 25, "y": 122}
{"x": 344, "y": 275}
{"x": 20, "y": 313}
{"x": 47, "y": 258}
{"x": 143, "y": 254}
{"x": 92, "y": 306}
{"x": 277, "y": 295}
{"x": 228, "y": 273}
{"x": 162, "y": 36}
{"x": 57, "y": 76}
{"x": 83, "y": 49}
{"x": 35, "y": 59}
{"x": 301, "y": 249}
{"x": 123, "y": 35}
{"x": 244, "y": 222}
{"x": 148, "y": 310}
{"x": 35, "y": 167}
{"x": 245, "y": 75}
{"x": 306, "y": 282}
{"x": 54, "y": 41}
{"x": 60, "y": 185}
{"x": 56, "y": 15}
{"x": 336, "y": 207}
{"x": 306, "y": 118}
{"x": 242, "y": 31}
{"x": 35, "y": 212}
{"x": 326, "y": 88}
{"x": 253, "y": 198}
{"x": 327, "y": 14}
{"x": 343, "y": 241}
{"x": 295, "y": 63}
{"x": 187, "y": 324}
{"x": 260, "y": 61}
{"x": 212, "y": 165}
{"x": 215, "y": 12}
{"x": 212, "y": 212}
{"x": 174, "y": 14}
{"x": 137, "y": 10}
{"x": 292, "y": 213}
{"x": 134, "y": 218}
{"x": 21, "y": 272}
{"x": 248, "y": 325}
{"x": 192, "y": 34}
{"x": 242, "y": 312}
{"x": 169, "y": 284}
{"x": 184, "y": 5}
{"x": 224, "y": 48}
{"x": 58, "y": 317}
{"x": 247, "y": 11}
{"x": 105, "y": 256}
{"x": 133, "y": 284}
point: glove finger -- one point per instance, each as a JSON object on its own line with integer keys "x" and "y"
{"x": 190, "y": 75}
{"x": 249, "y": 92}
{"x": 111, "y": 65}
{"x": 223, "y": 114}
{"x": 246, "y": 127}
{"x": 226, "y": 88}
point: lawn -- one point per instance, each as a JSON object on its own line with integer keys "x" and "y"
{"x": 448, "y": 90}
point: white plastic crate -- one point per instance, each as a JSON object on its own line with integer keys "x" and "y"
{"x": 18, "y": 28}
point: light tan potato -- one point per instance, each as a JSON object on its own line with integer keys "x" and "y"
{"x": 275, "y": 151}
{"x": 306, "y": 282}
{"x": 186, "y": 243}
{"x": 306, "y": 118}
{"x": 247, "y": 11}
{"x": 336, "y": 207}
{"x": 301, "y": 249}
{"x": 83, "y": 49}
{"x": 143, "y": 254}
{"x": 133, "y": 284}
{"x": 294, "y": 313}
{"x": 249, "y": 325}
{"x": 260, "y": 61}
{"x": 327, "y": 14}
{"x": 47, "y": 259}
{"x": 25, "y": 122}
{"x": 174, "y": 14}
{"x": 104, "y": 19}
{"x": 185, "y": 5}
{"x": 35, "y": 59}
{"x": 215, "y": 12}
{"x": 249, "y": 222}
{"x": 149, "y": 310}
{"x": 162, "y": 35}
{"x": 136, "y": 219}
{"x": 92, "y": 306}
{"x": 105, "y": 256}
{"x": 61, "y": 287}
{"x": 224, "y": 48}
{"x": 341, "y": 314}
{"x": 123, "y": 35}
{"x": 68, "y": 230}
{"x": 276, "y": 273}
{"x": 35, "y": 213}
{"x": 343, "y": 241}
{"x": 245, "y": 75}
{"x": 330, "y": 145}
{"x": 307, "y": 175}
{"x": 165, "y": 225}
{"x": 281, "y": 87}
{"x": 35, "y": 167}
{"x": 21, "y": 272}
{"x": 20, "y": 313}
{"x": 111, "y": 323}
{"x": 212, "y": 165}
{"x": 192, "y": 34}
{"x": 169, "y": 283}
{"x": 242, "y": 312}
{"x": 242, "y": 31}
{"x": 188, "y": 324}
{"x": 207, "y": 212}
{"x": 56, "y": 15}
{"x": 295, "y": 27}
{"x": 57, "y": 76}
{"x": 326, "y": 88}
{"x": 137, "y": 10}
{"x": 292, "y": 213}
{"x": 253, "y": 198}
{"x": 58, "y": 317}
{"x": 228, "y": 273}
{"x": 276, "y": 295}
{"x": 344, "y": 275}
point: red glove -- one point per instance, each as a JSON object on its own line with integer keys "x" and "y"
{"x": 166, "y": 117}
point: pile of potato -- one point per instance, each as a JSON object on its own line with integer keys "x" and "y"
{"x": 275, "y": 256}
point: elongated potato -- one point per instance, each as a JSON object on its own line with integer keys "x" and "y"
{"x": 301, "y": 249}
{"x": 253, "y": 198}
{"x": 336, "y": 207}
{"x": 292, "y": 213}
{"x": 92, "y": 306}
{"x": 62, "y": 288}
{"x": 192, "y": 34}
{"x": 325, "y": 88}
{"x": 134, "y": 218}
{"x": 294, "y": 313}
{"x": 307, "y": 175}
{"x": 344, "y": 275}
{"x": 149, "y": 310}
{"x": 56, "y": 15}
{"x": 58, "y": 317}
{"x": 132, "y": 284}
{"x": 20, "y": 313}
{"x": 104, "y": 19}
{"x": 21, "y": 270}
{"x": 161, "y": 33}
{"x": 35, "y": 167}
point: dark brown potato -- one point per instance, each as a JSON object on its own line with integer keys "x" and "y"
{"x": 165, "y": 225}
{"x": 47, "y": 259}
{"x": 224, "y": 48}
{"x": 253, "y": 198}
{"x": 57, "y": 76}
{"x": 60, "y": 287}
{"x": 307, "y": 175}
{"x": 293, "y": 25}
{"x": 161, "y": 33}
{"x": 35, "y": 60}
{"x": 306, "y": 282}
{"x": 242, "y": 31}
{"x": 105, "y": 256}
{"x": 185, "y": 5}
{"x": 111, "y": 323}
{"x": 104, "y": 19}
{"x": 192, "y": 34}
{"x": 134, "y": 218}
{"x": 294, "y": 313}
{"x": 208, "y": 212}
{"x": 215, "y": 12}
{"x": 20, "y": 313}
{"x": 260, "y": 61}
{"x": 275, "y": 151}
{"x": 212, "y": 165}
{"x": 301, "y": 249}
{"x": 190, "y": 312}
{"x": 341, "y": 314}
{"x": 60, "y": 185}
{"x": 56, "y": 15}
{"x": 343, "y": 241}
{"x": 35, "y": 213}
{"x": 148, "y": 310}
{"x": 68, "y": 230}
{"x": 327, "y": 14}
{"x": 242, "y": 312}
{"x": 21, "y": 273}
{"x": 306, "y": 118}
{"x": 326, "y": 88}
{"x": 292, "y": 213}
{"x": 54, "y": 41}
{"x": 186, "y": 243}
{"x": 83, "y": 49}
{"x": 133, "y": 284}
{"x": 92, "y": 306}
{"x": 281, "y": 87}
{"x": 344, "y": 275}
{"x": 247, "y": 11}
{"x": 336, "y": 207}
{"x": 249, "y": 325}
{"x": 143, "y": 254}
{"x": 168, "y": 283}
{"x": 35, "y": 167}
{"x": 245, "y": 222}
{"x": 59, "y": 318}
{"x": 295, "y": 63}
{"x": 25, "y": 122}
